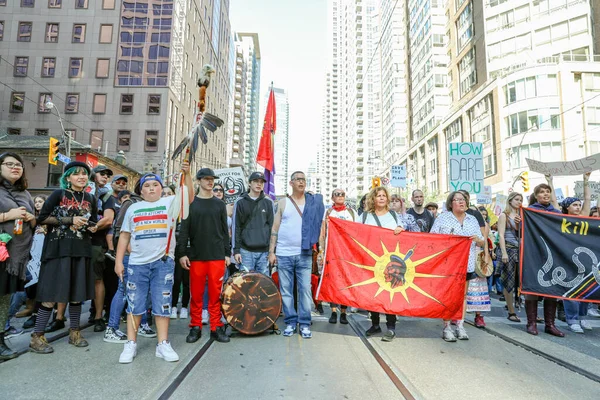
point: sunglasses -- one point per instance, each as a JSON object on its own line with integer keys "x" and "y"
{"x": 215, "y": 190}
{"x": 104, "y": 173}
{"x": 339, "y": 194}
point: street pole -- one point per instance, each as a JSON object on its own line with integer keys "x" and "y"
{"x": 65, "y": 136}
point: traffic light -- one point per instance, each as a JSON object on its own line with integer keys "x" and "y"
{"x": 375, "y": 182}
{"x": 525, "y": 181}
{"x": 53, "y": 151}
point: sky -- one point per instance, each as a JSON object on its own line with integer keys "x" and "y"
{"x": 293, "y": 44}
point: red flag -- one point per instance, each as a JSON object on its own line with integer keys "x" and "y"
{"x": 266, "y": 148}
{"x": 410, "y": 274}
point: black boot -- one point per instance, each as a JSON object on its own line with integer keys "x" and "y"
{"x": 56, "y": 325}
{"x": 30, "y": 323}
{"x": 5, "y": 352}
{"x": 219, "y": 335}
{"x": 343, "y": 319}
{"x": 194, "y": 335}
{"x": 333, "y": 318}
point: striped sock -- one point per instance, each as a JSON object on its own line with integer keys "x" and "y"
{"x": 43, "y": 316}
{"x": 74, "y": 315}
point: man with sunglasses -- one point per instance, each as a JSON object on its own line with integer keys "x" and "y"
{"x": 207, "y": 256}
{"x": 295, "y": 232}
{"x": 106, "y": 214}
{"x": 341, "y": 211}
{"x": 253, "y": 224}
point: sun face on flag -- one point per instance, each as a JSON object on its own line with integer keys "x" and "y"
{"x": 395, "y": 272}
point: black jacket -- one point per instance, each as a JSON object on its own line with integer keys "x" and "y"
{"x": 253, "y": 226}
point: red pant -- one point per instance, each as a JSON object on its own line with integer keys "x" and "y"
{"x": 199, "y": 272}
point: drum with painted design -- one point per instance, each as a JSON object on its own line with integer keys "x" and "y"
{"x": 250, "y": 302}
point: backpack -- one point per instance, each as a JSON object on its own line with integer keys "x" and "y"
{"x": 350, "y": 210}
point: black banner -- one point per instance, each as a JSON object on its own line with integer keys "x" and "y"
{"x": 560, "y": 256}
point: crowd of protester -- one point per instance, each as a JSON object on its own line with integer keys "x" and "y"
{"x": 92, "y": 239}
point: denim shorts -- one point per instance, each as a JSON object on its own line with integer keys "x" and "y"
{"x": 156, "y": 277}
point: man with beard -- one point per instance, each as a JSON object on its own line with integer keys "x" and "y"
{"x": 423, "y": 217}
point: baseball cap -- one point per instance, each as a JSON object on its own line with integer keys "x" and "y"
{"x": 119, "y": 176}
{"x": 206, "y": 173}
{"x": 123, "y": 193}
{"x": 150, "y": 177}
{"x": 257, "y": 175}
{"x": 102, "y": 168}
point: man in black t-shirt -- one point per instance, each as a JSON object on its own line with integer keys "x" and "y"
{"x": 106, "y": 214}
{"x": 424, "y": 218}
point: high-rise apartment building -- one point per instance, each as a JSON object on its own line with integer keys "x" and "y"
{"x": 282, "y": 136}
{"x": 522, "y": 78}
{"x": 122, "y": 74}
{"x": 239, "y": 136}
{"x": 248, "y": 42}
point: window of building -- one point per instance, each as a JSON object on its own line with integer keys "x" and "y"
{"x": 1, "y": 30}
{"x": 51, "y": 33}
{"x": 24, "y": 34}
{"x": 15, "y": 131}
{"x": 27, "y": 3}
{"x": 54, "y": 174}
{"x": 99, "y": 104}
{"x": 48, "y": 64}
{"x": 41, "y": 132}
{"x": 108, "y": 4}
{"x": 151, "y": 141}
{"x": 75, "y": 67}
{"x": 42, "y": 100}
{"x": 81, "y": 4}
{"x": 21, "y": 66}
{"x": 78, "y": 33}
{"x": 17, "y": 102}
{"x": 123, "y": 140}
{"x": 72, "y": 133}
{"x": 96, "y": 139}
{"x": 126, "y": 103}
{"x": 106, "y": 32}
{"x": 154, "y": 104}
{"x": 464, "y": 26}
{"x": 102, "y": 68}
{"x": 72, "y": 103}
{"x": 54, "y": 3}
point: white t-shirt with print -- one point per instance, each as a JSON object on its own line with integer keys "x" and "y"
{"x": 344, "y": 214}
{"x": 149, "y": 227}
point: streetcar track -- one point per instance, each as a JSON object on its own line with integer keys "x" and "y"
{"x": 185, "y": 371}
{"x": 402, "y": 388}
{"x": 543, "y": 354}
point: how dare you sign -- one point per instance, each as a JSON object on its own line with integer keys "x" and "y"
{"x": 466, "y": 166}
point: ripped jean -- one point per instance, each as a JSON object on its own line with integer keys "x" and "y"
{"x": 156, "y": 276}
{"x": 118, "y": 301}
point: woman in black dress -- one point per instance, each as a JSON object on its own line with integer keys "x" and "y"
{"x": 18, "y": 221}
{"x": 66, "y": 274}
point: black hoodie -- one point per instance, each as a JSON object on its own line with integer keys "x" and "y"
{"x": 253, "y": 227}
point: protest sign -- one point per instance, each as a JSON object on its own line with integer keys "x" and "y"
{"x": 559, "y": 194}
{"x": 398, "y": 176}
{"x": 33, "y": 266}
{"x": 466, "y": 166}
{"x": 594, "y": 190}
{"x": 562, "y": 168}
{"x": 559, "y": 256}
{"x": 485, "y": 197}
{"x": 500, "y": 203}
{"x": 233, "y": 181}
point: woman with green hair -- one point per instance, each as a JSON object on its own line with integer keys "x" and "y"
{"x": 66, "y": 273}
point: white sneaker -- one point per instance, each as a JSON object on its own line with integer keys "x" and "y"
{"x": 205, "y": 317}
{"x": 129, "y": 352}
{"x": 448, "y": 334}
{"x": 576, "y": 328}
{"x": 594, "y": 312}
{"x": 183, "y": 314}
{"x": 461, "y": 333}
{"x": 585, "y": 325}
{"x": 166, "y": 352}
{"x": 174, "y": 313}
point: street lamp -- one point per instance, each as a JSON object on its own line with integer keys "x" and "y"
{"x": 66, "y": 136}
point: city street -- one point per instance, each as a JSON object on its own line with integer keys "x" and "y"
{"x": 501, "y": 362}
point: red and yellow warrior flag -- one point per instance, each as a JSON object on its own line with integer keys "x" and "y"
{"x": 410, "y": 274}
